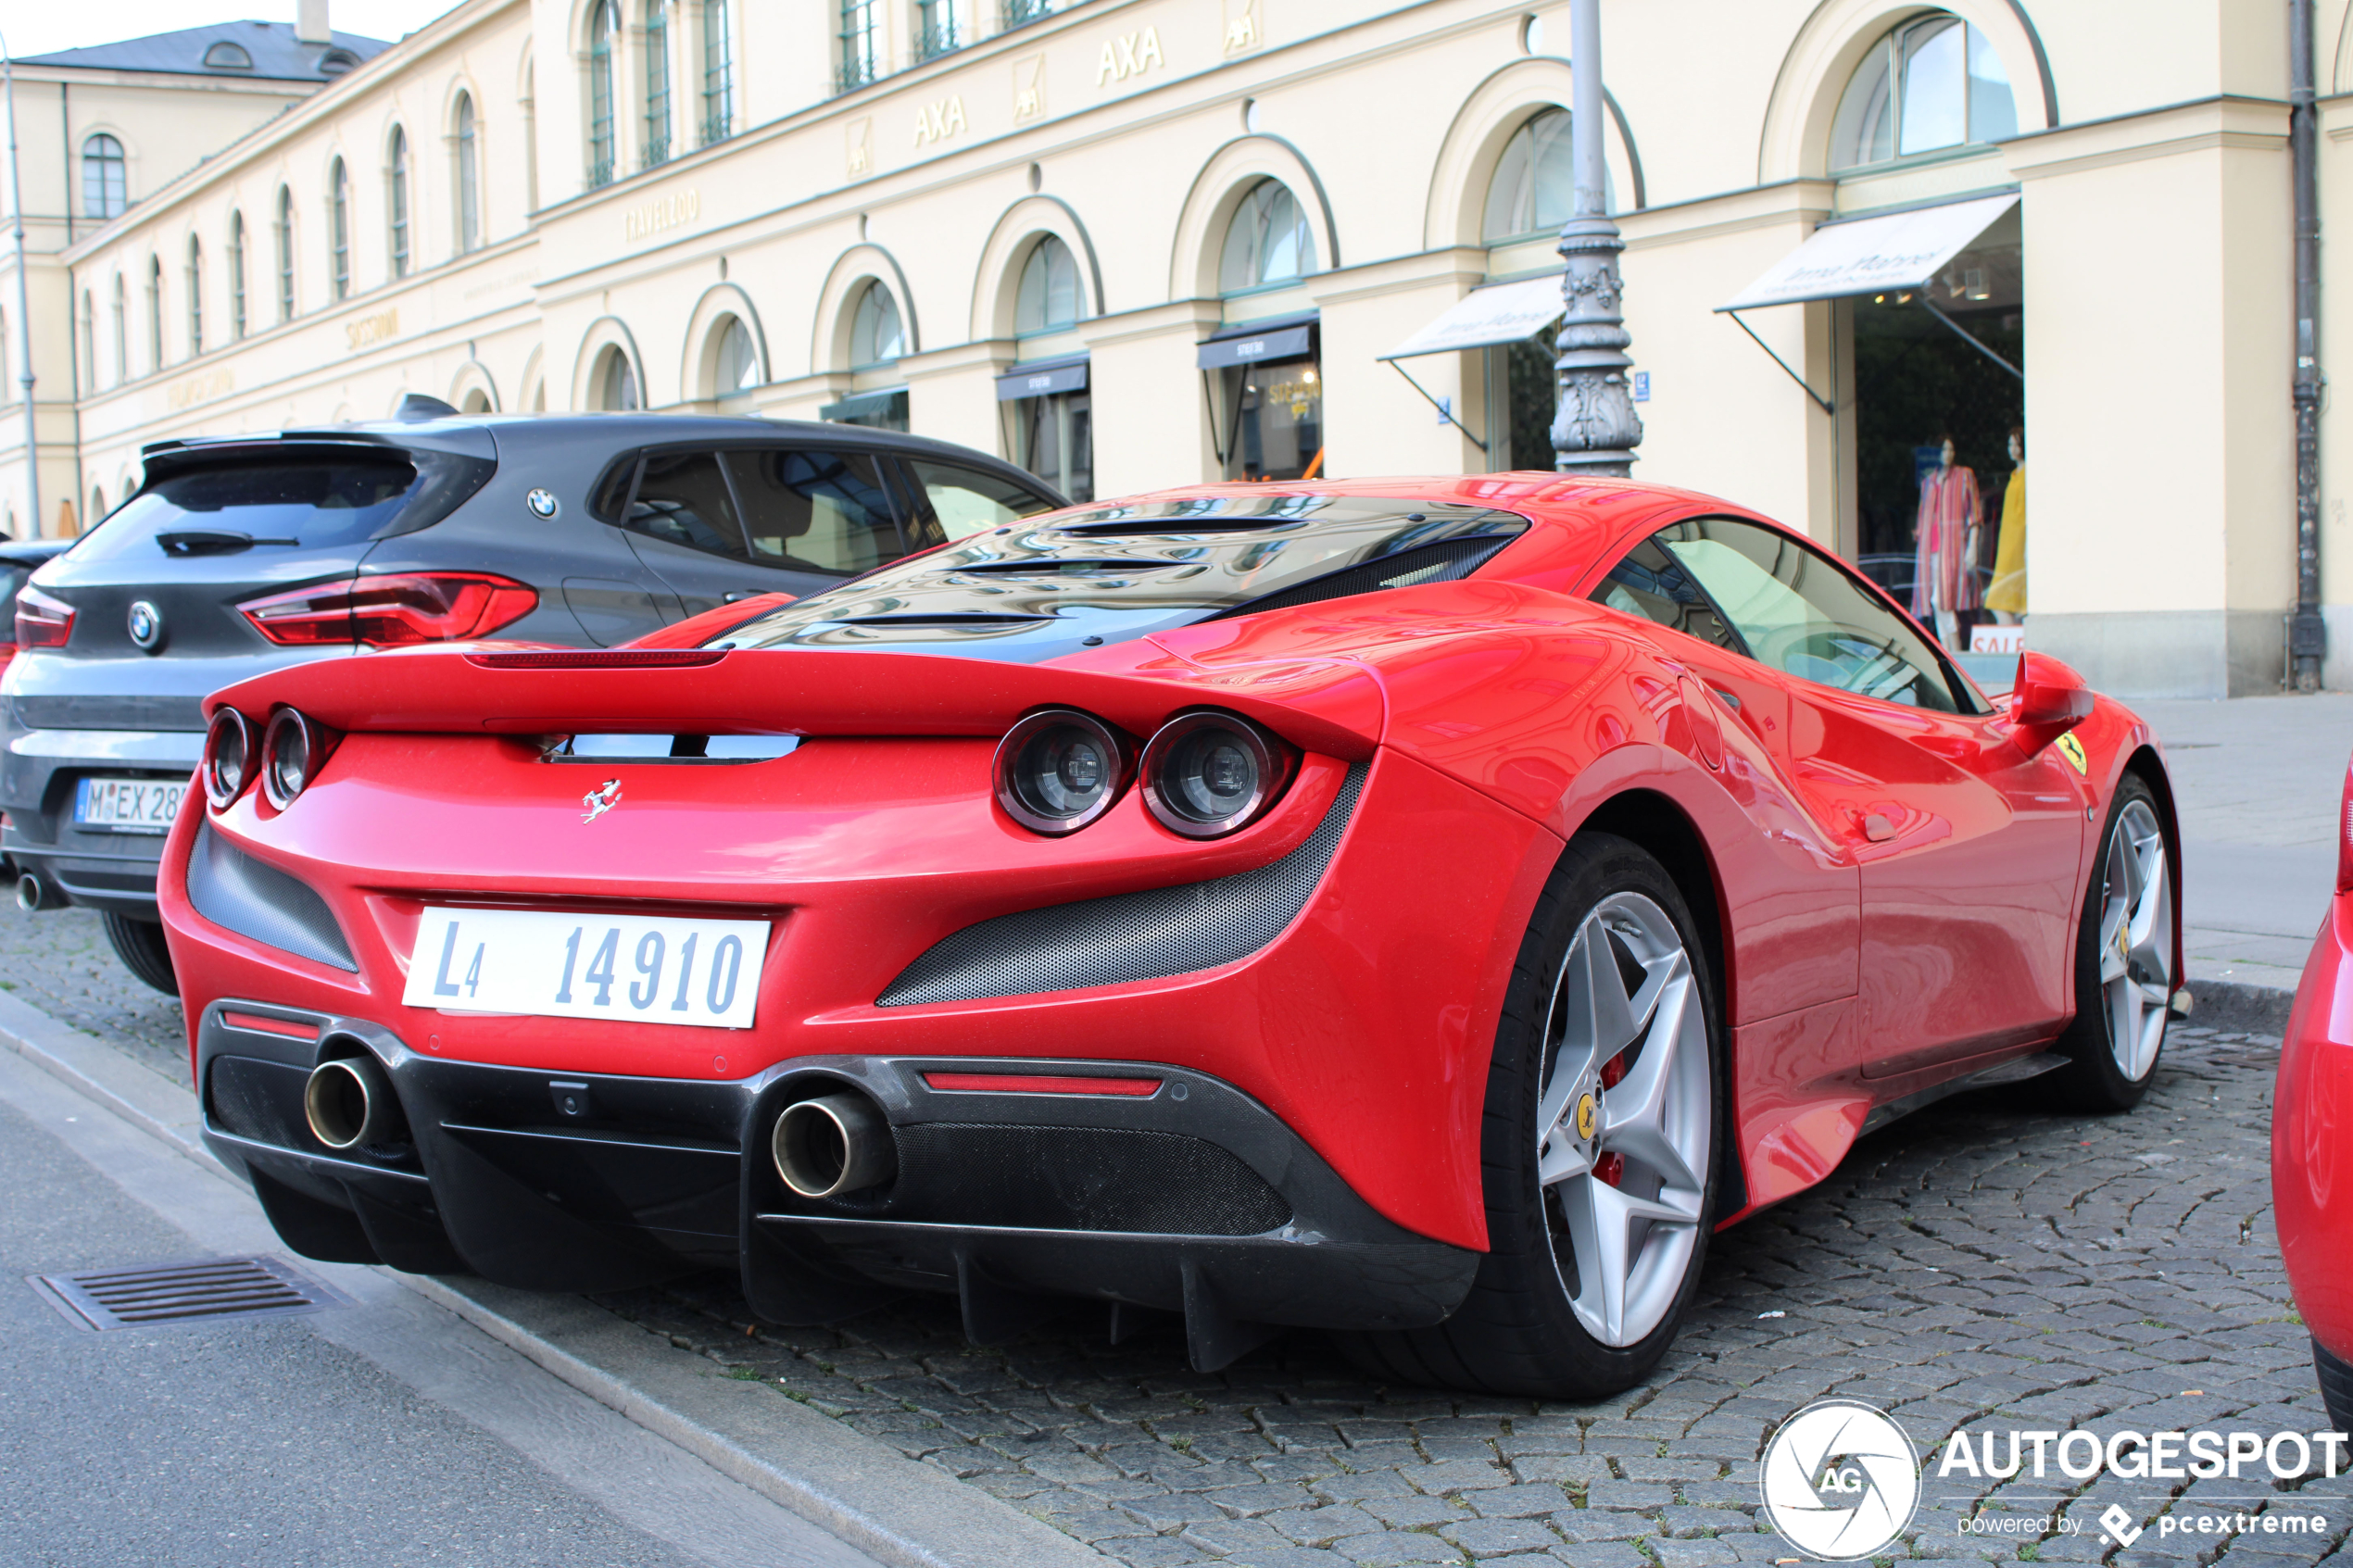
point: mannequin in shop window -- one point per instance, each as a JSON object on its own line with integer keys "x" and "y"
{"x": 2006, "y": 596}
{"x": 1945, "y": 563}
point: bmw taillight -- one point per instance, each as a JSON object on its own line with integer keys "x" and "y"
{"x": 42, "y": 620}
{"x": 291, "y": 749}
{"x": 227, "y": 758}
{"x": 394, "y": 610}
{"x": 2344, "y": 835}
{"x": 1059, "y": 770}
{"x": 1207, "y": 775}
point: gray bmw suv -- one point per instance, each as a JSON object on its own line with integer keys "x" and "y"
{"x": 241, "y": 554}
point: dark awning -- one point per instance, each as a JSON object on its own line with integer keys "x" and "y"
{"x": 1289, "y": 338}
{"x": 1043, "y": 379}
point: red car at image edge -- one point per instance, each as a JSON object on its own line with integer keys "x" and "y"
{"x": 2311, "y": 1178}
{"x": 1421, "y": 910}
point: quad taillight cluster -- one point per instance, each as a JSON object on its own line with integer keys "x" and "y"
{"x": 292, "y": 747}
{"x": 398, "y": 609}
{"x": 1203, "y": 774}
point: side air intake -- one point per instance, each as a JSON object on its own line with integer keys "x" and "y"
{"x": 231, "y": 889}
{"x": 1147, "y": 936}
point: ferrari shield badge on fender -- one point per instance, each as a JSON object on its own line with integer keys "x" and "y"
{"x": 602, "y": 799}
{"x": 2073, "y": 749}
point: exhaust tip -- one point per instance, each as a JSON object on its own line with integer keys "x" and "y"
{"x": 349, "y": 1103}
{"x": 834, "y": 1144}
{"x": 28, "y": 893}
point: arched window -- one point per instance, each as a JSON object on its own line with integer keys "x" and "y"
{"x": 1268, "y": 241}
{"x": 103, "y": 187}
{"x": 1533, "y": 190}
{"x": 285, "y": 240}
{"x": 657, "y": 82}
{"x": 339, "y": 229}
{"x": 1050, "y": 299}
{"x": 97, "y": 504}
{"x": 876, "y": 336}
{"x": 477, "y": 402}
{"x": 89, "y": 343}
{"x": 718, "y": 74}
{"x": 1931, "y": 83}
{"x": 121, "y": 334}
{"x": 155, "y": 313}
{"x": 738, "y": 369}
{"x": 617, "y": 382}
{"x": 195, "y": 296}
{"x": 469, "y": 179}
{"x": 602, "y": 24}
{"x": 236, "y": 274}
{"x": 225, "y": 56}
{"x": 397, "y": 190}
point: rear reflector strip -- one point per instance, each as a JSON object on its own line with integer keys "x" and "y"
{"x": 1029, "y": 1084}
{"x": 590, "y": 659}
{"x": 262, "y": 1025}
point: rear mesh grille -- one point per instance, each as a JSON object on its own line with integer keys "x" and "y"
{"x": 1147, "y": 936}
{"x": 231, "y": 889}
{"x": 207, "y": 1291}
{"x": 1079, "y": 1178}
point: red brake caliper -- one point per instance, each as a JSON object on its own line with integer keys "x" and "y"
{"x": 1611, "y": 1168}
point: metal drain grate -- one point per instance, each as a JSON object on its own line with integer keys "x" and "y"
{"x": 203, "y": 1290}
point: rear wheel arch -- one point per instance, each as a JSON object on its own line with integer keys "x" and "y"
{"x": 2145, "y": 764}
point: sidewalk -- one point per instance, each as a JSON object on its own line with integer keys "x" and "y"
{"x": 2258, "y": 780}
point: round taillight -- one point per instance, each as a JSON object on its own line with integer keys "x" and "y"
{"x": 228, "y": 758}
{"x": 1208, "y": 774}
{"x": 1059, "y": 770}
{"x": 291, "y": 749}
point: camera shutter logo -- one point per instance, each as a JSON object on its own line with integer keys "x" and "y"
{"x": 1840, "y": 1480}
{"x": 542, "y": 503}
{"x": 145, "y": 625}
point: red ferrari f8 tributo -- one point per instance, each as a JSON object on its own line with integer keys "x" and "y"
{"x": 1423, "y": 909}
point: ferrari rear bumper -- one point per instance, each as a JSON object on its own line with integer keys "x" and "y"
{"x": 1178, "y": 1193}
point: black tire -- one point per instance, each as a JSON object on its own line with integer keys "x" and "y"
{"x": 139, "y": 944}
{"x": 2336, "y": 1387}
{"x": 1516, "y": 1334}
{"x": 2093, "y": 1080}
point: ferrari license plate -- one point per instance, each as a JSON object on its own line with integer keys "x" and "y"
{"x": 649, "y": 969}
{"x": 128, "y": 805}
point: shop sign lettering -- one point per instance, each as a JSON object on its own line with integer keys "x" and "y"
{"x": 1029, "y": 89}
{"x": 1130, "y": 55}
{"x": 1241, "y": 26}
{"x": 672, "y": 211}
{"x": 860, "y": 147}
{"x": 367, "y": 330}
{"x": 937, "y": 121}
{"x": 188, "y": 392}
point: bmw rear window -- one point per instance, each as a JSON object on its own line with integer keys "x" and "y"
{"x": 300, "y": 500}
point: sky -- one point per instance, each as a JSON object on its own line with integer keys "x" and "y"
{"x": 32, "y": 28}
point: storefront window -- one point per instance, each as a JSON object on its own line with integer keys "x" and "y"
{"x": 1523, "y": 389}
{"x": 1278, "y": 430}
{"x": 1928, "y": 85}
{"x": 1049, "y": 299}
{"x": 1054, "y": 415}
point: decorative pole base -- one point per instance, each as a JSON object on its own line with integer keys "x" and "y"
{"x": 1594, "y": 428}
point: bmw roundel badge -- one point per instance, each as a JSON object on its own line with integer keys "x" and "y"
{"x": 541, "y": 502}
{"x": 146, "y": 623}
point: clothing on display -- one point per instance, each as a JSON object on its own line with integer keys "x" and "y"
{"x": 1943, "y": 575}
{"x": 2005, "y": 596}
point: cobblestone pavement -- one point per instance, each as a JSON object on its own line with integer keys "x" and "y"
{"x": 1979, "y": 1264}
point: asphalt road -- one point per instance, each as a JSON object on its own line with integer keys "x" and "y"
{"x": 330, "y": 1439}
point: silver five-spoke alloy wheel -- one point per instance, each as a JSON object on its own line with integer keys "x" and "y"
{"x": 1624, "y": 1121}
{"x": 2136, "y": 940}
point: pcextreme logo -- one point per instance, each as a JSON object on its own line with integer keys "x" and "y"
{"x": 1840, "y": 1480}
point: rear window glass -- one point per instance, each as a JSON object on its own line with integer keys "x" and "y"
{"x": 314, "y": 504}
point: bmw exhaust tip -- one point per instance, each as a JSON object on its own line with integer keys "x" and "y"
{"x": 834, "y": 1144}
{"x": 28, "y": 893}
{"x": 349, "y": 1103}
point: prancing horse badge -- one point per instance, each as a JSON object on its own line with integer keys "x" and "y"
{"x": 602, "y": 799}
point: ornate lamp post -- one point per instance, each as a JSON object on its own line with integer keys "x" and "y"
{"x": 24, "y": 319}
{"x": 1594, "y": 428}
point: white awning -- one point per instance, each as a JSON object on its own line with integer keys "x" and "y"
{"x": 1899, "y": 250}
{"x": 1485, "y": 316}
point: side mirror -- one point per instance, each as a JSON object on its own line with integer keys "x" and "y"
{"x": 2047, "y": 700}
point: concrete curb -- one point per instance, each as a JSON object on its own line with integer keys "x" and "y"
{"x": 899, "y": 1510}
{"x": 2233, "y": 1004}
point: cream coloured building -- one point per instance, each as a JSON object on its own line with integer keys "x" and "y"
{"x": 1141, "y": 243}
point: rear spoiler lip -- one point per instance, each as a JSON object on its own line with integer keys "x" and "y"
{"x": 1333, "y": 707}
